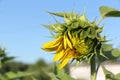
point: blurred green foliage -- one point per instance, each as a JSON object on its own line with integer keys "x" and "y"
{"x": 40, "y": 70}
{"x": 11, "y": 70}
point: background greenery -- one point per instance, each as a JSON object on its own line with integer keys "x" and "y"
{"x": 40, "y": 70}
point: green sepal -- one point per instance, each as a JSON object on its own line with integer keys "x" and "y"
{"x": 49, "y": 27}
{"x": 103, "y": 54}
{"x": 99, "y": 29}
{"x": 67, "y": 21}
{"x": 56, "y": 28}
{"x": 74, "y": 25}
{"x": 85, "y": 34}
{"x": 64, "y": 14}
{"x": 83, "y": 18}
{"x": 84, "y": 24}
{"x": 90, "y": 57}
{"x": 92, "y": 33}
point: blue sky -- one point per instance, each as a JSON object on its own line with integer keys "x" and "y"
{"x": 22, "y": 33}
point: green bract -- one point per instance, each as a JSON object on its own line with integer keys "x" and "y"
{"x": 79, "y": 26}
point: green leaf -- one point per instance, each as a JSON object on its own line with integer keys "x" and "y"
{"x": 33, "y": 78}
{"x": 113, "y": 14}
{"x": 109, "y": 75}
{"x": 2, "y": 77}
{"x": 63, "y": 76}
{"x": 52, "y": 76}
{"x": 106, "y": 71}
{"x": 2, "y": 52}
{"x": 107, "y": 47}
{"x": 109, "y": 12}
{"x": 106, "y": 54}
{"x": 0, "y": 64}
{"x": 116, "y": 53}
{"x": 6, "y": 59}
{"x": 58, "y": 74}
{"x": 117, "y": 76}
{"x": 14, "y": 75}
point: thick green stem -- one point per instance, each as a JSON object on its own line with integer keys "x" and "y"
{"x": 93, "y": 68}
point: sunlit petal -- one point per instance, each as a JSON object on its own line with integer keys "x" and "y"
{"x": 63, "y": 63}
{"x": 59, "y": 55}
{"x": 50, "y": 47}
{"x": 69, "y": 43}
{"x": 60, "y": 47}
{"x": 65, "y": 42}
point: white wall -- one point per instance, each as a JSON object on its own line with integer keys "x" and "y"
{"x": 84, "y": 71}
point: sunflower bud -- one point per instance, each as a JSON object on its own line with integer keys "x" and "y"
{"x": 77, "y": 38}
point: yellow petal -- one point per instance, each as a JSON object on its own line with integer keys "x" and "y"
{"x": 63, "y": 63}
{"x": 69, "y": 43}
{"x": 59, "y": 39}
{"x": 65, "y": 42}
{"x": 52, "y": 45}
{"x": 66, "y": 52}
{"x": 82, "y": 41}
{"x": 71, "y": 54}
{"x": 49, "y": 46}
{"x": 59, "y": 55}
{"x": 60, "y": 48}
{"x": 73, "y": 41}
{"x": 49, "y": 50}
{"x": 70, "y": 36}
{"x": 67, "y": 55}
{"x": 76, "y": 35}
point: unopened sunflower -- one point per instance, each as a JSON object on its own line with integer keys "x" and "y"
{"x": 76, "y": 38}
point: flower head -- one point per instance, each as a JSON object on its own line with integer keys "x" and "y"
{"x": 74, "y": 39}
